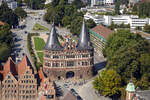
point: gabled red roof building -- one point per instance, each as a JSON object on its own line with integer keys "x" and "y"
{"x": 21, "y": 83}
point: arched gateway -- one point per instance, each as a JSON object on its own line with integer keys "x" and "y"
{"x": 70, "y": 74}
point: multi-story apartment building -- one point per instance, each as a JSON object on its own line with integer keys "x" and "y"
{"x": 98, "y": 36}
{"x": 70, "y": 60}
{"x": 19, "y": 82}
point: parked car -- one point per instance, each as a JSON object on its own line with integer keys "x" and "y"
{"x": 79, "y": 98}
{"x": 74, "y": 92}
{"x": 66, "y": 86}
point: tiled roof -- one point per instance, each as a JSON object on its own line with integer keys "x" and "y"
{"x": 1, "y": 23}
{"x": 23, "y": 65}
{"x": 70, "y": 96}
{"x": 10, "y": 66}
{"x": 102, "y": 31}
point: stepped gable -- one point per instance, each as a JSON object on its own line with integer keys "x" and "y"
{"x": 9, "y": 66}
{"x": 22, "y": 66}
{"x": 52, "y": 42}
{"x": 84, "y": 38}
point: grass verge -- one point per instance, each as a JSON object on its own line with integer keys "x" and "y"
{"x": 40, "y": 55}
{"x": 39, "y": 43}
{"x": 38, "y": 27}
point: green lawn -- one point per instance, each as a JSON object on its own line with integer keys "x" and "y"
{"x": 39, "y": 43}
{"x": 40, "y": 55}
{"x": 38, "y": 27}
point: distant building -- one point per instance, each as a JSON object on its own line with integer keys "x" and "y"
{"x": 48, "y": 1}
{"x": 133, "y": 20}
{"x": 19, "y": 82}
{"x": 96, "y": 18}
{"x": 101, "y": 2}
{"x": 71, "y": 60}
{"x": 12, "y": 4}
{"x": 136, "y": 94}
{"x": 99, "y": 34}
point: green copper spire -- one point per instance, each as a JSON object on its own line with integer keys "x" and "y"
{"x": 130, "y": 87}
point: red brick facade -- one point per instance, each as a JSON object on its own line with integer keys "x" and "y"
{"x": 58, "y": 63}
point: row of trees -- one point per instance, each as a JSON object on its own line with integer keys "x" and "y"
{"x": 128, "y": 56}
{"x": 142, "y": 9}
{"x": 66, "y": 15}
{"x": 35, "y": 4}
{"x": 6, "y": 42}
{"x": 11, "y": 17}
{"x": 113, "y": 26}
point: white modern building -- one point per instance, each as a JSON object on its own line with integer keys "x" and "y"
{"x": 12, "y": 4}
{"x": 48, "y": 1}
{"x": 100, "y": 2}
{"x": 133, "y": 20}
{"x": 96, "y": 18}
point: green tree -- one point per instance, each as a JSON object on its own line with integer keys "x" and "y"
{"x": 90, "y": 23}
{"x": 4, "y": 52}
{"x": 20, "y": 13}
{"x": 108, "y": 83}
{"x": 6, "y": 42}
{"x": 117, "y": 8}
{"x": 19, "y": 3}
{"x": 7, "y": 15}
{"x": 78, "y": 4}
{"x": 138, "y": 28}
{"x": 66, "y": 20}
{"x": 76, "y": 25}
{"x": 147, "y": 28}
{"x": 125, "y": 53}
{"x": 144, "y": 9}
{"x": 35, "y": 4}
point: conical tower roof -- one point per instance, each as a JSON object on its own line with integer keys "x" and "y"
{"x": 84, "y": 38}
{"x": 130, "y": 87}
{"x": 52, "y": 42}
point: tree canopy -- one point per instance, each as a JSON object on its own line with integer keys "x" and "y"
{"x": 7, "y": 15}
{"x": 147, "y": 28}
{"x": 35, "y": 4}
{"x": 142, "y": 9}
{"x": 6, "y": 42}
{"x": 20, "y": 13}
{"x": 66, "y": 15}
{"x": 108, "y": 83}
{"x": 129, "y": 55}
